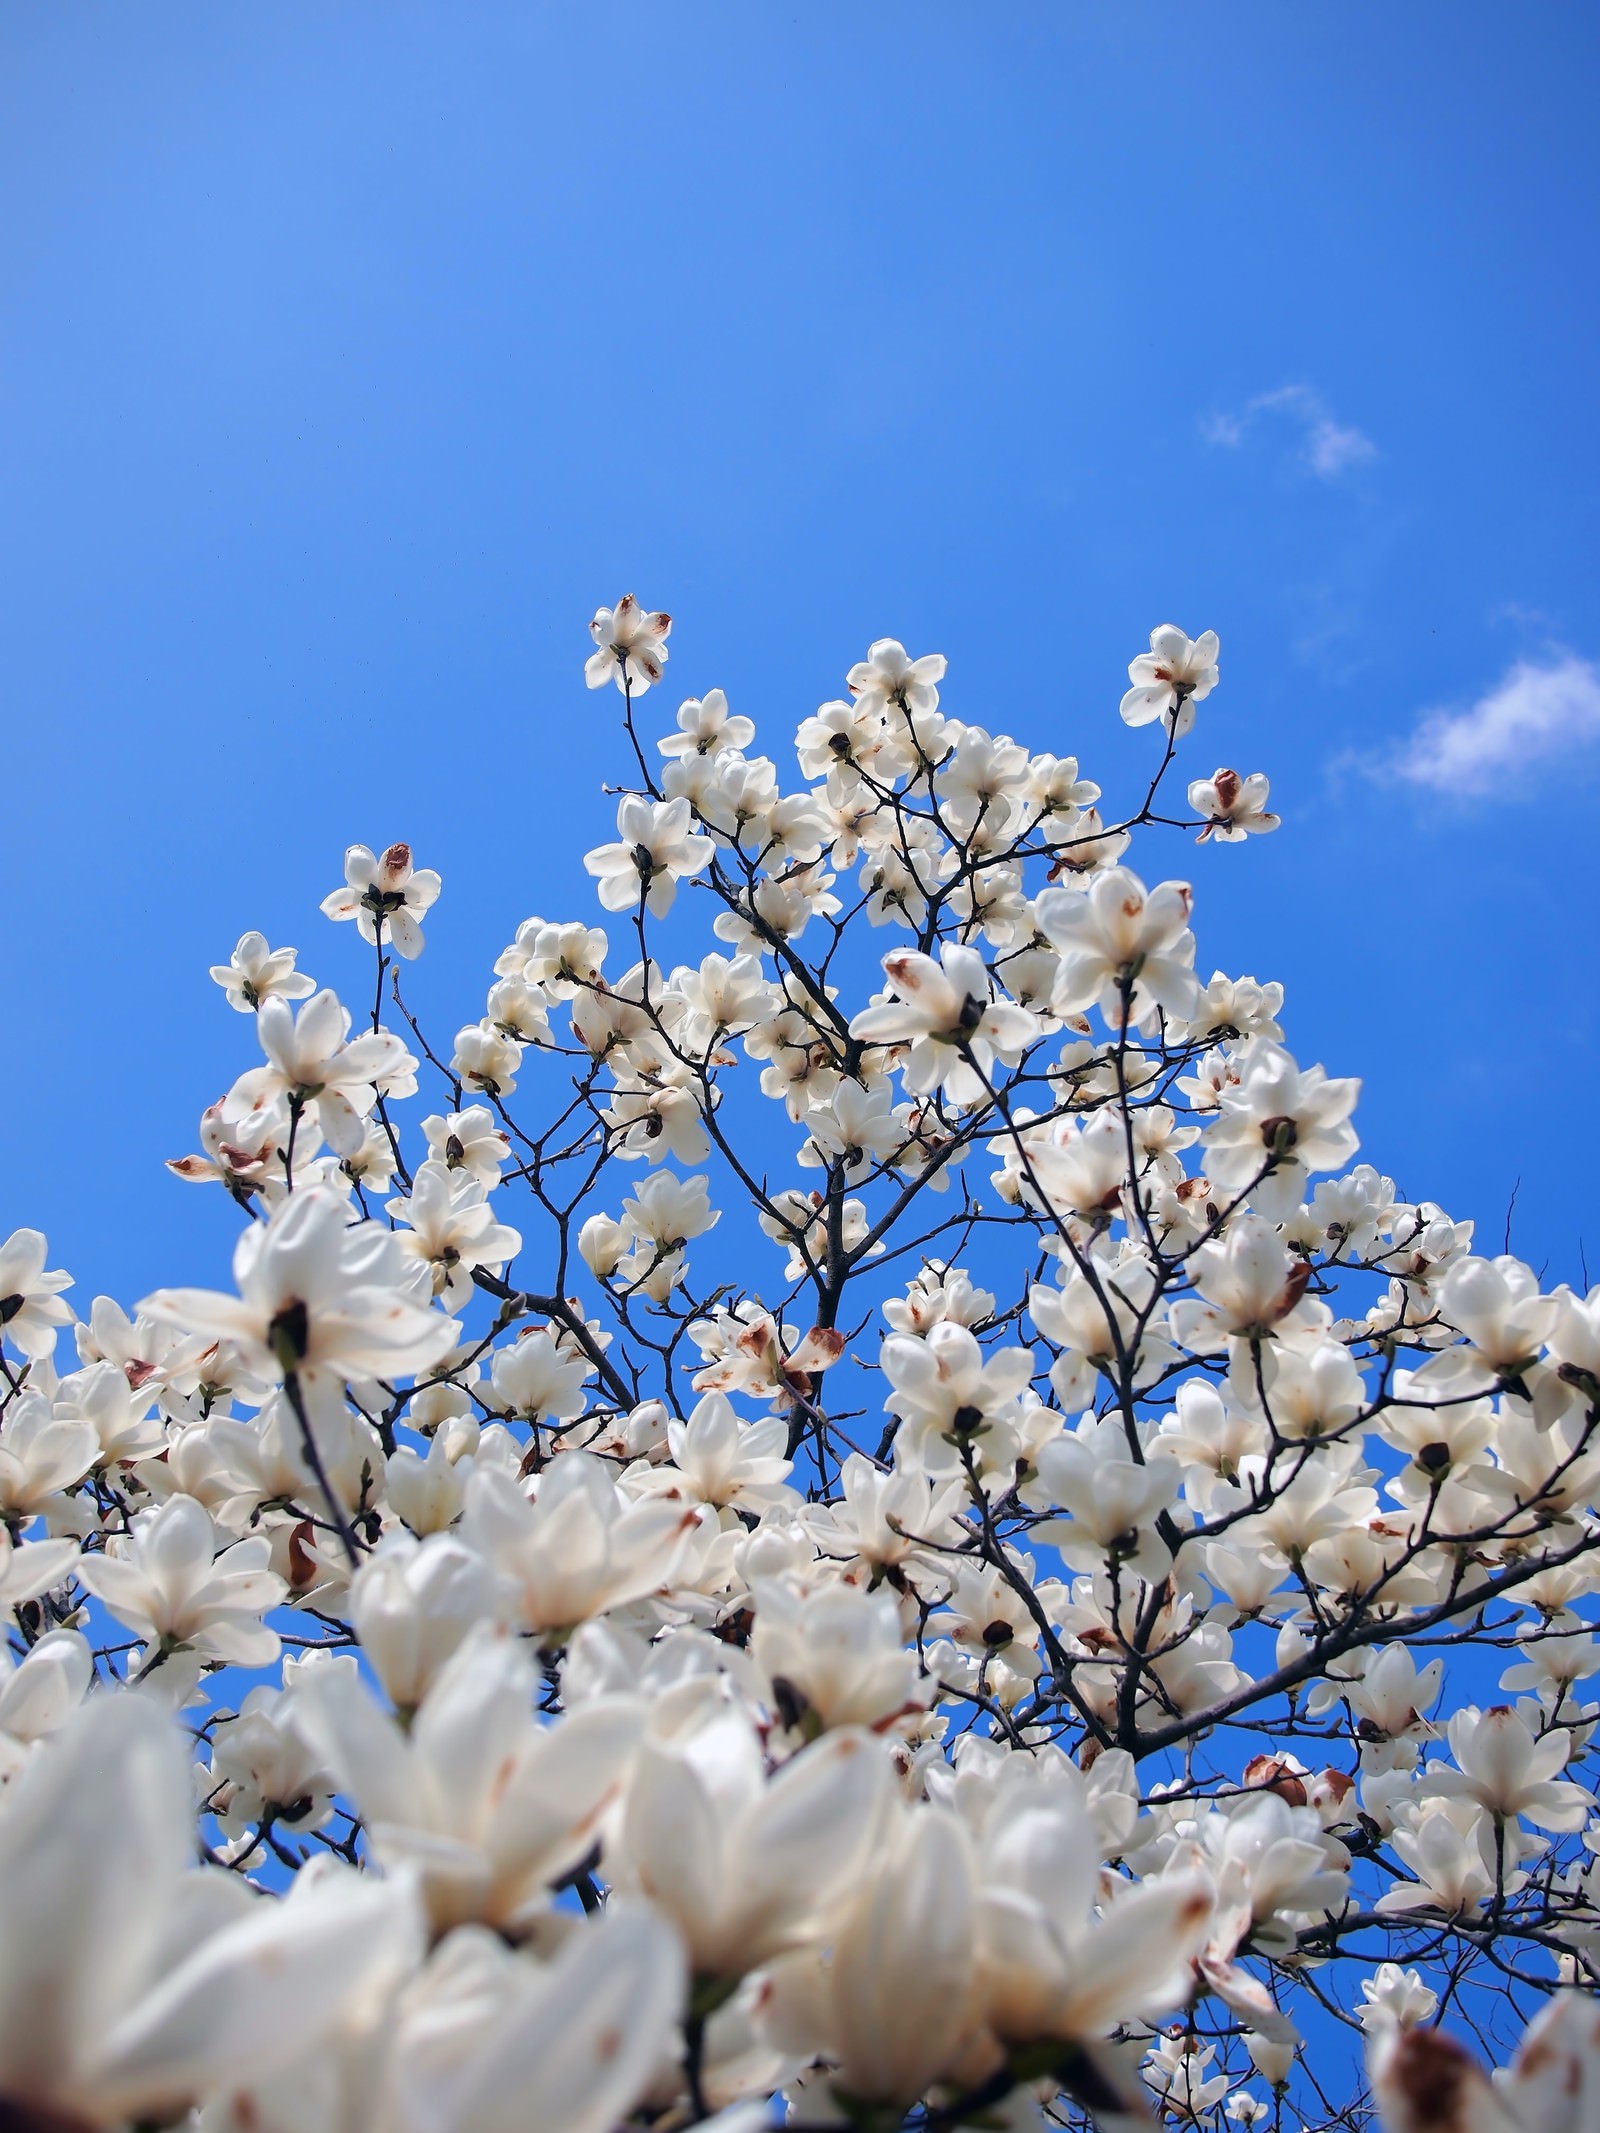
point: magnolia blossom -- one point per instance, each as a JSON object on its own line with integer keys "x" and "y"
{"x": 632, "y": 646}
{"x": 411, "y": 1604}
{"x": 385, "y": 895}
{"x": 1553, "y": 2084}
{"x": 469, "y": 1141}
{"x": 706, "y": 726}
{"x": 1497, "y": 1304}
{"x": 539, "y": 1380}
{"x": 947, "y": 1394}
{"x": 488, "y": 2039}
{"x": 1233, "y": 808}
{"x": 914, "y": 1915}
{"x": 1170, "y": 679}
{"x": 42, "y": 1453}
{"x": 1114, "y": 1499}
{"x": 578, "y": 1547}
{"x": 39, "y": 1693}
{"x": 1248, "y": 1281}
{"x": 451, "y": 1229}
{"x": 656, "y": 849}
{"x": 173, "y": 1588}
{"x": 1123, "y": 947}
{"x": 947, "y": 1016}
{"x": 1395, "y": 1995}
{"x": 255, "y": 972}
{"x": 1502, "y": 1766}
{"x": 745, "y": 1866}
{"x": 1278, "y": 1123}
{"x": 719, "y": 1461}
{"x": 31, "y": 1310}
{"x": 485, "y": 1058}
{"x": 312, "y": 1059}
{"x": 317, "y": 1294}
{"x": 833, "y": 1658}
{"x": 132, "y": 1989}
{"x": 888, "y": 676}
{"x": 485, "y": 1804}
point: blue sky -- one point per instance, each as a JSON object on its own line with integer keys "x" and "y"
{"x": 351, "y": 355}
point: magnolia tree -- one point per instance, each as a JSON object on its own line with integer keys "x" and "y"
{"x": 867, "y": 1518}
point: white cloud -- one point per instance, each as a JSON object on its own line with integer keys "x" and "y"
{"x": 1536, "y": 712}
{"x": 1327, "y": 447}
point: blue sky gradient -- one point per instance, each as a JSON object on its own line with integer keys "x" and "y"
{"x": 350, "y": 355}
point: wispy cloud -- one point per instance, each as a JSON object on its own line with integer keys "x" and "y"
{"x": 1537, "y": 712}
{"x": 1326, "y": 447}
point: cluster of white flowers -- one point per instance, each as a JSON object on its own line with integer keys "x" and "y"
{"x": 918, "y": 1543}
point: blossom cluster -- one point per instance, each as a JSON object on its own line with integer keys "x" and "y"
{"x": 878, "y": 1524}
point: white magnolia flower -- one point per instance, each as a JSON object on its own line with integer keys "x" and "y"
{"x": 538, "y": 1380}
{"x": 452, "y": 1229}
{"x": 263, "y": 1770}
{"x": 1233, "y": 808}
{"x": 1052, "y": 1963}
{"x": 898, "y": 1520}
{"x": 1121, "y": 942}
{"x": 949, "y": 1394}
{"x": 657, "y": 1115}
{"x": 1249, "y": 1282}
{"x": 1234, "y": 1008}
{"x": 1103, "y": 1319}
{"x": 947, "y": 1015}
{"x": 1395, "y": 1995}
{"x": 1506, "y": 1770}
{"x": 1449, "y": 1847}
{"x": 1496, "y": 1303}
{"x": 900, "y": 1982}
{"x": 30, "y": 1567}
{"x": 632, "y": 646}
{"x": 1170, "y": 679}
{"x": 385, "y": 895}
{"x": 487, "y": 2041}
{"x": 487, "y": 1806}
{"x": 845, "y": 737}
{"x": 318, "y": 1294}
{"x": 1113, "y": 1497}
{"x": 40, "y": 1692}
{"x": 857, "y": 1127}
{"x": 656, "y": 849}
{"x": 1179, "y": 2072}
{"x": 668, "y": 1211}
{"x": 579, "y": 1547}
{"x": 888, "y": 676}
{"x": 721, "y": 1462}
{"x": 250, "y": 1154}
{"x": 132, "y": 1985}
{"x": 748, "y": 1867}
{"x": 833, "y": 1657}
{"x": 167, "y": 1580}
{"x": 723, "y": 995}
{"x": 469, "y": 1141}
{"x": 1553, "y": 2085}
{"x": 485, "y": 1058}
{"x": 42, "y": 1452}
{"x": 313, "y": 1060}
{"x": 256, "y": 972}
{"x": 707, "y": 727}
{"x": 1276, "y": 1125}
{"x": 1393, "y": 1695}
{"x": 31, "y": 1310}
{"x": 411, "y": 1604}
